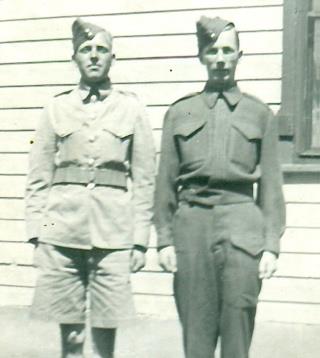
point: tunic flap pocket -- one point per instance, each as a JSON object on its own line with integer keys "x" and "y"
{"x": 119, "y": 130}
{"x": 249, "y": 130}
{"x": 65, "y": 130}
{"x": 188, "y": 127}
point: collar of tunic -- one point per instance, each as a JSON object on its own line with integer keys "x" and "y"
{"x": 104, "y": 90}
{"x": 210, "y": 95}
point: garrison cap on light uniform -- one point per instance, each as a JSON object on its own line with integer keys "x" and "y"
{"x": 209, "y": 29}
{"x": 83, "y": 31}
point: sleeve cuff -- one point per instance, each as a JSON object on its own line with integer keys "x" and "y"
{"x": 272, "y": 245}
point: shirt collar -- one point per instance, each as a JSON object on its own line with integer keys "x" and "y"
{"x": 232, "y": 95}
{"x": 104, "y": 89}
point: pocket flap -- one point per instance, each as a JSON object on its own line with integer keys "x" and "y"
{"x": 188, "y": 127}
{"x": 248, "y": 129}
{"x": 65, "y": 129}
{"x": 253, "y": 245}
{"x": 119, "y": 130}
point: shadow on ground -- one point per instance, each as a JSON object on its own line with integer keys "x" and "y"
{"x": 149, "y": 338}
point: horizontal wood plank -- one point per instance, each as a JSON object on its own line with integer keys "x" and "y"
{"x": 136, "y": 47}
{"x": 301, "y": 240}
{"x": 15, "y": 296}
{"x": 19, "y": 119}
{"x": 16, "y": 141}
{"x": 155, "y": 94}
{"x": 302, "y": 193}
{"x": 13, "y": 163}
{"x": 303, "y": 215}
{"x": 12, "y": 186}
{"x": 14, "y": 231}
{"x": 246, "y": 19}
{"x": 138, "y": 71}
{"x": 17, "y": 9}
{"x": 12, "y": 209}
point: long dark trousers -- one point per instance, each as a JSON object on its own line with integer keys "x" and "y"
{"x": 216, "y": 285}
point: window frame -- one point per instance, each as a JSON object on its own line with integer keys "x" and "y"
{"x": 295, "y": 115}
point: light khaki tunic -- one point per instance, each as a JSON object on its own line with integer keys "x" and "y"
{"x": 92, "y": 169}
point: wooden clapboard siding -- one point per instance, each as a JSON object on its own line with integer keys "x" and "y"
{"x": 27, "y": 119}
{"x": 13, "y": 164}
{"x": 155, "y": 94}
{"x": 290, "y": 265}
{"x": 153, "y": 23}
{"x": 18, "y": 9}
{"x": 295, "y": 240}
{"x": 136, "y": 47}
{"x": 156, "y": 51}
{"x": 259, "y": 67}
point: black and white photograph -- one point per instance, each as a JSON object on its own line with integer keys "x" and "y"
{"x": 160, "y": 179}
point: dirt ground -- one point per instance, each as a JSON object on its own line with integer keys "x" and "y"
{"x": 149, "y": 338}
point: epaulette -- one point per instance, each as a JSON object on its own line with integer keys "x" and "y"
{"x": 186, "y": 97}
{"x": 63, "y": 93}
{"x": 128, "y": 93}
{"x": 257, "y": 100}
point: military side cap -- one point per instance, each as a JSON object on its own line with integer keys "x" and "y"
{"x": 209, "y": 29}
{"x": 84, "y": 31}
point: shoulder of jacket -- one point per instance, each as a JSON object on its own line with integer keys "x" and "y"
{"x": 185, "y": 98}
{"x": 126, "y": 93}
{"x": 259, "y": 103}
{"x": 63, "y": 93}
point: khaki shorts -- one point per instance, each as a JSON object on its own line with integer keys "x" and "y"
{"x": 72, "y": 282}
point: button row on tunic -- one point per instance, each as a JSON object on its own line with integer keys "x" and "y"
{"x": 91, "y": 185}
{"x": 93, "y": 98}
{"x": 92, "y": 138}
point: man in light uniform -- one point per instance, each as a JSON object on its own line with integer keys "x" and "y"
{"x": 88, "y": 227}
{"x": 213, "y": 234}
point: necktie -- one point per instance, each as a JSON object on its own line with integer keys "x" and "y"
{"x": 93, "y": 95}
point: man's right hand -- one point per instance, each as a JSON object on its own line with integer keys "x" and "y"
{"x": 167, "y": 259}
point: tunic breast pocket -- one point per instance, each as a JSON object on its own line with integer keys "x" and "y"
{"x": 244, "y": 145}
{"x": 70, "y": 145}
{"x": 192, "y": 140}
{"x": 115, "y": 144}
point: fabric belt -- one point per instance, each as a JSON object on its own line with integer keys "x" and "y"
{"x": 222, "y": 194}
{"x": 98, "y": 176}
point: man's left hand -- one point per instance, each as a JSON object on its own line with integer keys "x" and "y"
{"x": 268, "y": 265}
{"x": 137, "y": 260}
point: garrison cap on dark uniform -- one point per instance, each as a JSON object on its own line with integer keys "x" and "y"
{"x": 84, "y": 31}
{"x": 209, "y": 29}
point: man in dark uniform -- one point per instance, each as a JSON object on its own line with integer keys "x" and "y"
{"x": 90, "y": 230}
{"x": 216, "y": 234}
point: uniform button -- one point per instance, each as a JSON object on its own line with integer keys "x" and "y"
{"x": 91, "y": 185}
{"x": 91, "y": 161}
{"x": 93, "y": 98}
{"x": 92, "y": 138}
